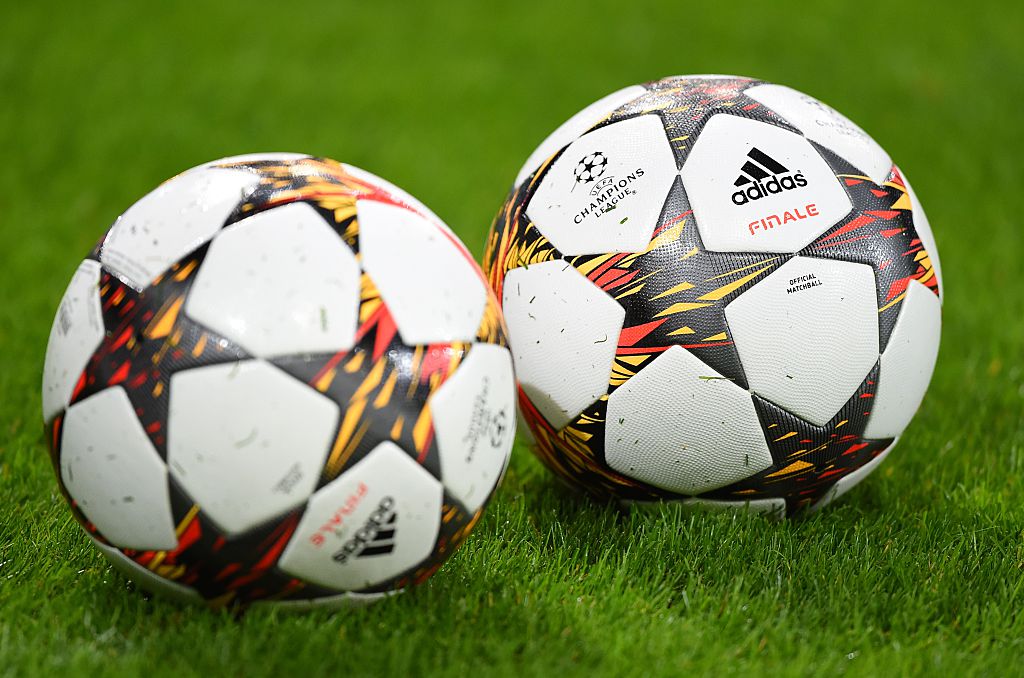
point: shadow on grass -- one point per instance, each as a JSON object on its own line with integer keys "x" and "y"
{"x": 545, "y": 558}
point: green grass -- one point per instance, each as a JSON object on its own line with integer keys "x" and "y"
{"x": 920, "y": 570}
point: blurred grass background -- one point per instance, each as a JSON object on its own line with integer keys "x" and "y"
{"x": 920, "y": 570}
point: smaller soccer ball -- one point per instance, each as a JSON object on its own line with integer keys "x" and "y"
{"x": 278, "y": 377}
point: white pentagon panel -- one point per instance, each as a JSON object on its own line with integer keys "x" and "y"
{"x": 373, "y": 522}
{"x": 427, "y": 278}
{"x": 807, "y": 334}
{"x": 705, "y": 76}
{"x": 146, "y": 578}
{"x": 907, "y": 363}
{"x": 341, "y": 601}
{"x": 178, "y": 216}
{"x": 396, "y": 192}
{"x": 606, "y": 191}
{"x": 76, "y": 333}
{"x": 577, "y": 125}
{"x": 755, "y": 187}
{"x": 474, "y": 414}
{"x": 924, "y": 231}
{"x": 827, "y": 126}
{"x": 279, "y": 282}
{"x": 246, "y": 441}
{"x": 256, "y": 157}
{"x": 678, "y": 425}
{"x": 849, "y": 481}
{"x": 563, "y": 331}
{"x": 111, "y": 470}
{"x": 773, "y": 506}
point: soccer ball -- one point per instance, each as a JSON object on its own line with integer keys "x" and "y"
{"x": 737, "y": 305}
{"x": 278, "y": 377}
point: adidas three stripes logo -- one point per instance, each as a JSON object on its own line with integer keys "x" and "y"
{"x": 759, "y": 166}
{"x": 762, "y": 175}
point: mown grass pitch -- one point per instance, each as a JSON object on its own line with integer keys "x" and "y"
{"x": 920, "y": 570}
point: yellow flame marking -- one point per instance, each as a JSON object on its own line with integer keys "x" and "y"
{"x": 681, "y": 287}
{"x": 421, "y": 428}
{"x": 324, "y": 382}
{"x": 186, "y": 270}
{"x": 903, "y": 202}
{"x": 189, "y": 517}
{"x": 161, "y": 325}
{"x": 670, "y": 234}
{"x": 200, "y": 346}
{"x": 632, "y": 290}
{"x": 371, "y": 382}
{"x": 895, "y": 301}
{"x": 355, "y": 362}
{"x": 792, "y": 468}
{"x": 384, "y": 396}
{"x": 367, "y": 308}
{"x": 680, "y": 308}
{"x": 715, "y": 295}
{"x": 590, "y": 266}
{"x": 742, "y": 268}
{"x": 348, "y": 438}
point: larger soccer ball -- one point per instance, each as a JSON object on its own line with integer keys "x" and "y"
{"x": 278, "y": 377}
{"x": 718, "y": 290}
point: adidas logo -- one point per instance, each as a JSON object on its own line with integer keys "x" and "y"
{"x": 763, "y": 175}
{"x": 375, "y": 538}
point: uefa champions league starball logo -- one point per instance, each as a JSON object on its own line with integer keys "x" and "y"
{"x": 605, "y": 189}
{"x": 591, "y": 167}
